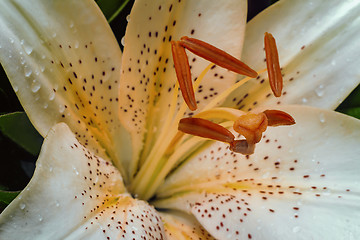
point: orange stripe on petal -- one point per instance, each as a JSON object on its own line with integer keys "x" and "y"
{"x": 204, "y": 128}
{"x": 217, "y": 56}
{"x": 273, "y": 65}
{"x": 183, "y": 74}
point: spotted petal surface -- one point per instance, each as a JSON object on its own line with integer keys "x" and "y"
{"x": 318, "y": 49}
{"x": 305, "y": 175}
{"x": 76, "y": 195}
{"x": 148, "y": 76}
{"x": 179, "y": 225}
{"x": 64, "y": 64}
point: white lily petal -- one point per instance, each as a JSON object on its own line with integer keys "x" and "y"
{"x": 148, "y": 75}
{"x": 305, "y": 175}
{"x": 318, "y": 49}
{"x": 64, "y": 63}
{"x": 180, "y": 226}
{"x": 74, "y": 195}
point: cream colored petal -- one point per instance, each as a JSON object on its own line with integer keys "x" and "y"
{"x": 305, "y": 175}
{"x": 76, "y": 195}
{"x": 148, "y": 76}
{"x": 64, "y": 64}
{"x": 318, "y": 49}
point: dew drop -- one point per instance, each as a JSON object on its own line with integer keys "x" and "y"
{"x": 322, "y": 118}
{"x": 28, "y": 50}
{"x": 40, "y": 218}
{"x": 16, "y": 88}
{"x": 27, "y": 71}
{"x": 304, "y": 100}
{"x": 61, "y": 108}
{"x": 128, "y": 18}
{"x": 50, "y": 168}
{"x": 123, "y": 41}
{"x": 51, "y": 96}
{"x": 296, "y": 229}
{"x": 76, "y": 44}
{"x": 35, "y": 86}
{"x": 12, "y": 40}
{"x": 266, "y": 175}
{"x": 22, "y": 206}
{"x": 76, "y": 171}
{"x": 22, "y": 60}
{"x": 71, "y": 25}
{"x": 53, "y": 35}
{"x": 57, "y": 204}
{"x": 320, "y": 90}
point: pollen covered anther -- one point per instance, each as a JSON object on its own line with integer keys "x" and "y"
{"x": 183, "y": 74}
{"x": 278, "y": 118}
{"x": 273, "y": 65}
{"x": 217, "y": 56}
{"x": 205, "y": 128}
{"x": 251, "y": 126}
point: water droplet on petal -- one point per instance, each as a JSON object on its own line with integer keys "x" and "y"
{"x": 28, "y": 50}
{"x": 320, "y": 90}
{"x": 22, "y": 60}
{"x": 322, "y": 118}
{"x": 76, "y": 171}
{"x": 57, "y": 204}
{"x": 51, "y": 96}
{"x": 27, "y": 71}
{"x": 53, "y": 35}
{"x": 123, "y": 41}
{"x": 61, "y": 108}
{"x": 304, "y": 100}
{"x": 16, "y": 88}
{"x": 296, "y": 229}
{"x": 40, "y": 218}
{"x": 22, "y": 206}
{"x": 35, "y": 86}
{"x": 128, "y": 18}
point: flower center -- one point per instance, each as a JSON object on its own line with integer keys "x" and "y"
{"x": 179, "y": 138}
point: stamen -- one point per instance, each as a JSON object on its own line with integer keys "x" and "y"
{"x": 273, "y": 65}
{"x": 251, "y": 126}
{"x": 242, "y": 146}
{"x": 183, "y": 74}
{"x": 278, "y": 118}
{"x": 205, "y": 128}
{"x": 217, "y": 56}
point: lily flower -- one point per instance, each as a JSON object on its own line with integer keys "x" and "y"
{"x": 113, "y": 164}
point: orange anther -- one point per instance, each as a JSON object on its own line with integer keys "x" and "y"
{"x": 183, "y": 74}
{"x": 273, "y": 65}
{"x": 204, "y": 128}
{"x": 217, "y": 56}
{"x": 242, "y": 146}
{"x": 251, "y": 126}
{"x": 278, "y": 118}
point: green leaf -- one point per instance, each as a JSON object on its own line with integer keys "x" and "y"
{"x": 6, "y": 196}
{"x": 355, "y": 111}
{"x": 18, "y": 128}
{"x": 353, "y": 100}
{"x": 111, "y": 8}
